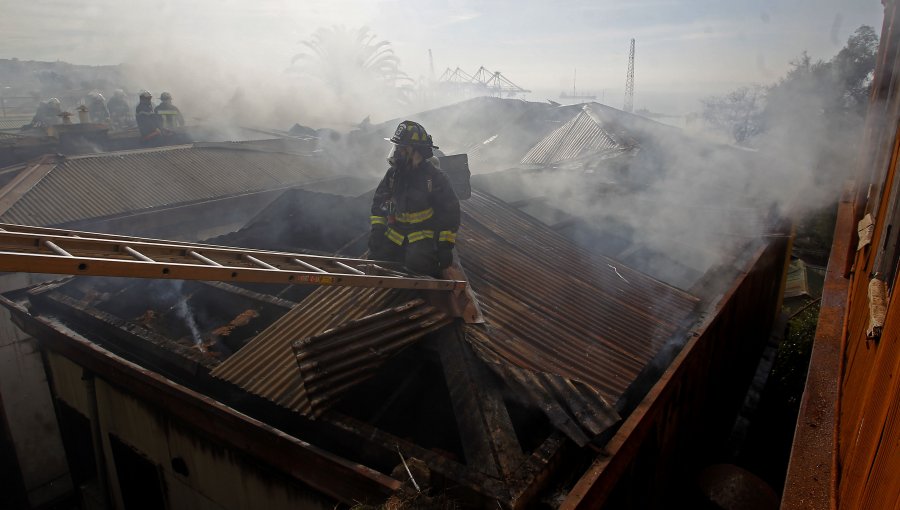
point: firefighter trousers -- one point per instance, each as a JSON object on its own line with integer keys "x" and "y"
{"x": 420, "y": 257}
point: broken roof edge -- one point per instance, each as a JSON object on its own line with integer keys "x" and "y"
{"x": 333, "y": 475}
{"x": 581, "y": 413}
{"x": 717, "y": 339}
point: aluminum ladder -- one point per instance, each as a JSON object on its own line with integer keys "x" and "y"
{"x": 57, "y": 251}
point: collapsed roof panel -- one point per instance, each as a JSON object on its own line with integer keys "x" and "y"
{"x": 606, "y": 321}
{"x": 267, "y": 366}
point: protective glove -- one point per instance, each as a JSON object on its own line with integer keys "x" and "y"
{"x": 445, "y": 254}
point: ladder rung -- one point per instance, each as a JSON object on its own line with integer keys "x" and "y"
{"x": 136, "y": 254}
{"x": 348, "y": 268}
{"x": 258, "y": 262}
{"x": 56, "y": 249}
{"x": 308, "y": 266}
{"x": 201, "y": 258}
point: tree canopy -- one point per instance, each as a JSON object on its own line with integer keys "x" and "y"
{"x": 353, "y": 62}
{"x": 831, "y": 93}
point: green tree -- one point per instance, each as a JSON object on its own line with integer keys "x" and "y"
{"x": 854, "y": 66}
{"x": 828, "y": 95}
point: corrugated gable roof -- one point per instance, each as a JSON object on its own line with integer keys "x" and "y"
{"x": 115, "y": 183}
{"x": 582, "y": 135}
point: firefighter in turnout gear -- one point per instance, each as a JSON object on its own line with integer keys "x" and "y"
{"x": 47, "y": 114}
{"x": 415, "y": 212}
{"x": 119, "y": 111}
{"x": 147, "y": 119}
{"x": 97, "y": 109}
{"x": 169, "y": 114}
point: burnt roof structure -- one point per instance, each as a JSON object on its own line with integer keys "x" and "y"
{"x": 529, "y": 393}
{"x": 575, "y": 339}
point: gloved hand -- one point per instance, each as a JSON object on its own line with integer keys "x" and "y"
{"x": 376, "y": 237}
{"x": 445, "y": 254}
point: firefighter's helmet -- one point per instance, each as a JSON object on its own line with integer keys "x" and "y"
{"x": 53, "y": 101}
{"x": 145, "y": 94}
{"x": 413, "y": 134}
{"x": 165, "y": 96}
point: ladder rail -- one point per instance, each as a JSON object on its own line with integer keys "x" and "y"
{"x": 77, "y": 235}
{"x": 57, "y": 251}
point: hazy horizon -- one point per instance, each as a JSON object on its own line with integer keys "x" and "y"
{"x": 687, "y": 49}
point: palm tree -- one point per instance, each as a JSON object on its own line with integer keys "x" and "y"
{"x": 353, "y": 62}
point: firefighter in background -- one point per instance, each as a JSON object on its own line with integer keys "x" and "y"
{"x": 47, "y": 114}
{"x": 97, "y": 110}
{"x": 415, "y": 212}
{"x": 169, "y": 114}
{"x": 147, "y": 119}
{"x": 119, "y": 112}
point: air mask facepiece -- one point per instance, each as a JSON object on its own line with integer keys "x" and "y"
{"x": 400, "y": 156}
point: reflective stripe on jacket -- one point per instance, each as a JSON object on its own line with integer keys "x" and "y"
{"x": 170, "y": 115}
{"x": 416, "y": 203}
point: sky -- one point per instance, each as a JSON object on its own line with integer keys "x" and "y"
{"x": 685, "y": 49}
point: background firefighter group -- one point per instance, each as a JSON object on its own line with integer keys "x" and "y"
{"x": 116, "y": 113}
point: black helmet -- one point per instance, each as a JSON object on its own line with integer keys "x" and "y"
{"x": 413, "y": 134}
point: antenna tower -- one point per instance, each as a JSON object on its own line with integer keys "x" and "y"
{"x": 629, "y": 81}
{"x": 431, "y": 65}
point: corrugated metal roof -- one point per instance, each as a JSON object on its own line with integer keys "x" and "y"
{"x": 583, "y": 135}
{"x": 336, "y": 360}
{"x": 16, "y": 122}
{"x": 115, "y": 183}
{"x": 572, "y": 407}
{"x": 267, "y": 367}
{"x": 553, "y": 307}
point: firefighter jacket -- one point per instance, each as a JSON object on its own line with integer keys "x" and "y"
{"x": 119, "y": 112}
{"x": 169, "y": 115}
{"x": 46, "y": 116}
{"x": 146, "y": 118}
{"x": 98, "y": 111}
{"x": 416, "y": 204}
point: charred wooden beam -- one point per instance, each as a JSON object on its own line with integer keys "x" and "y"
{"x": 532, "y": 476}
{"x": 264, "y": 298}
{"x": 486, "y": 431}
{"x": 155, "y": 349}
{"x": 454, "y": 472}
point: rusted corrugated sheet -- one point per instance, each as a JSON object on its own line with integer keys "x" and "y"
{"x": 572, "y": 407}
{"x": 557, "y": 317}
{"x": 267, "y": 367}
{"x": 687, "y": 414}
{"x": 580, "y": 136}
{"x": 553, "y": 307}
{"x": 339, "y": 358}
{"x": 114, "y": 183}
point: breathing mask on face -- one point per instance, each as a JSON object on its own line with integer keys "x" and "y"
{"x": 400, "y": 156}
